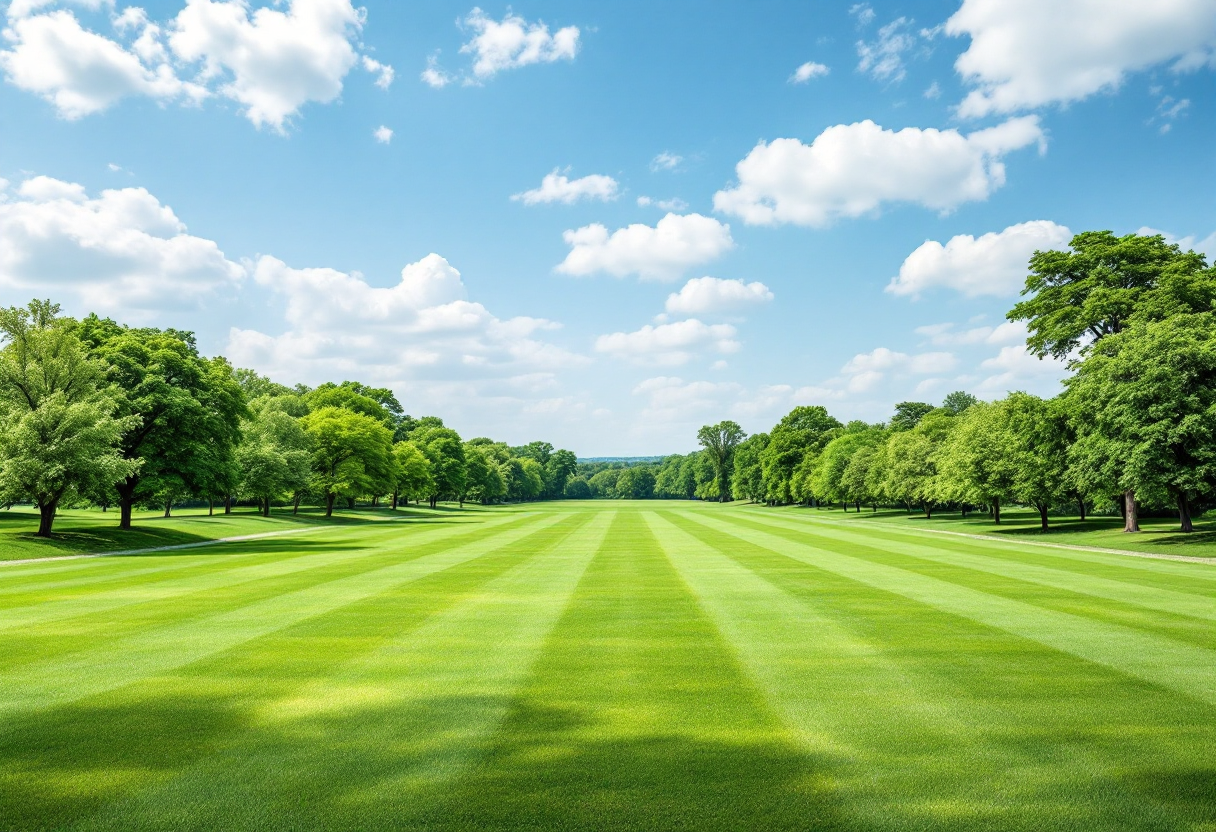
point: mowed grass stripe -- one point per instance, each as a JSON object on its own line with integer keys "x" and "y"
{"x": 1164, "y": 623}
{"x": 375, "y": 549}
{"x": 69, "y": 600}
{"x": 116, "y": 663}
{"x": 896, "y": 735}
{"x": 1184, "y": 668}
{"x": 400, "y": 719}
{"x": 1197, "y": 578}
{"x": 961, "y": 562}
{"x": 636, "y": 716}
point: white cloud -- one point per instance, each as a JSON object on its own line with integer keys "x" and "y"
{"x": 663, "y": 252}
{"x": 669, "y": 344}
{"x": 864, "y": 14}
{"x": 424, "y": 327}
{"x": 713, "y": 296}
{"x": 883, "y": 360}
{"x": 992, "y": 264}
{"x": 383, "y": 72}
{"x": 933, "y": 91}
{"x": 673, "y": 204}
{"x": 852, "y": 169}
{"x": 272, "y": 61}
{"x": 556, "y": 187}
{"x": 383, "y": 134}
{"x": 1206, "y": 246}
{"x": 1015, "y": 368}
{"x": 883, "y": 59}
{"x": 513, "y": 42}
{"x": 434, "y": 76}
{"x": 79, "y": 71}
{"x": 1036, "y": 52}
{"x": 666, "y": 161}
{"x": 121, "y": 252}
{"x": 807, "y": 71}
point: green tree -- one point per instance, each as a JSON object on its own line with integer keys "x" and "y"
{"x": 636, "y": 483}
{"x": 854, "y": 480}
{"x": 189, "y": 409}
{"x": 412, "y": 471}
{"x": 444, "y": 450}
{"x": 577, "y": 489}
{"x": 827, "y": 478}
{"x": 1145, "y": 406}
{"x": 603, "y": 483}
{"x": 559, "y": 468}
{"x": 273, "y": 458}
{"x": 958, "y": 401}
{"x": 976, "y": 462}
{"x": 1102, "y": 283}
{"x": 908, "y": 415}
{"x": 483, "y": 477}
{"x": 351, "y": 453}
{"x": 910, "y": 469}
{"x": 747, "y": 483}
{"x": 719, "y": 442}
{"x": 1040, "y": 470}
{"x": 59, "y": 437}
{"x": 803, "y": 430}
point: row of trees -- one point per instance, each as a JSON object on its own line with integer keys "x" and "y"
{"x": 1135, "y": 425}
{"x": 93, "y": 411}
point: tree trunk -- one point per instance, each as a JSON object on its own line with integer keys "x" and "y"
{"x": 295, "y": 505}
{"x": 1184, "y": 513}
{"x": 1043, "y": 515}
{"x": 126, "y": 500}
{"x": 996, "y": 510}
{"x": 1081, "y": 504}
{"x": 1131, "y": 517}
{"x": 228, "y": 504}
{"x": 350, "y": 502}
{"x": 266, "y": 508}
{"x": 376, "y": 502}
{"x": 394, "y": 501}
{"x": 928, "y": 510}
{"x": 434, "y": 500}
{"x": 329, "y": 504}
{"x": 46, "y": 517}
{"x": 168, "y": 508}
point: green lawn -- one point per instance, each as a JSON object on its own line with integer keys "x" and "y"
{"x": 605, "y": 666}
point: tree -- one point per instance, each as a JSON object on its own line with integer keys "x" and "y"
{"x": 719, "y": 442}
{"x": 59, "y": 437}
{"x": 1144, "y": 401}
{"x": 603, "y": 483}
{"x": 908, "y": 415}
{"x": 747, "y": 482}
{"x": 413, "y": 473}
{"x": 188, "y": 409}
{"x": 273, "y": 458}
{"x": 976, "y": 462}
{"x": 1096, "y": 288}
{"x": 444, "y": 450}
{"x": 483, "y": 479}
{"x": 853, "y": 480}
{"x": 1040, "y": 458}
{"x": 351, "y": 453}
{"x": 803, "y": 430}
{"x": 958, "y": 401}
{"x": 636, "y": 483}
{"x": 560, "y": 466}
{"x": 577, "y": 489}
{"x": 910, "y": 469}
{"x": 827, "y": 477}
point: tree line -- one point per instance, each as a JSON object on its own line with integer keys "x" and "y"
{"x": 1135, "y": 426}
{"x": 94, "y": 412}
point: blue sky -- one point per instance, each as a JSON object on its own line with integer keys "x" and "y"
{"x": 862, "y": 184}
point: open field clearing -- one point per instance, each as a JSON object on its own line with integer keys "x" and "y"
{"x": 607, "y": 665}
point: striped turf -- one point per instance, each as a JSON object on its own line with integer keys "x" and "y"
{"x": 609, "y": 665}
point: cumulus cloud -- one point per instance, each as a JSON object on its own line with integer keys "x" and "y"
{"x": 882, "y": 360}
{"x": 1015, "y": 368}
{"x": 121, "y": 252}
{"x": 424, "y": 327}
{"x": 557, "y": 187}
{"x": 271, "y": 61}
{"x": 853, "y": 169}
{"x": 662, "y": 252}
{"x": 435, "y": 76}
{"x": 1037, "y": 52}
{"x": 1206, "y": 246}
{"x": 669, "y": 344}
{"x": 513, "y": 42}
{"x": 807, "y": 71}
{"x": 713, "y": 296}
{"x": 992, "y": 264}
{"x": 666, "y": 161}
{"x": 383, "y": 134}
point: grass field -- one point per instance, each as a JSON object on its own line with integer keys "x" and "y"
{"x": 604, "y": 666}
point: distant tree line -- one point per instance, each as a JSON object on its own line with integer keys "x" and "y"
{"x": 1135, "y": 427}
{"x": 94, "y": 412}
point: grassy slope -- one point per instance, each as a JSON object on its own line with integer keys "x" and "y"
{"x": 610, "y": 666}
{"x": 93, "y": 531}
{"x": 1158, "y": 535}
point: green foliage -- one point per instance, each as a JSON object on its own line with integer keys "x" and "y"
{"x": 58, "y": 434}
{"x": 577, "y": 489}
{"x": 719, "y": 442}
{"x": 1103, "y": 283}
{"x": 958, "y": 401}
{"x": 412, "y": 471}
{"x": 636, "y": 483}
{"x": 747, "y": 483}
{"x": 804, "y": 430}
{"x": 908, "y": 415}
{"x": 444, "y": 450}
{"x": 352, "y": 454}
